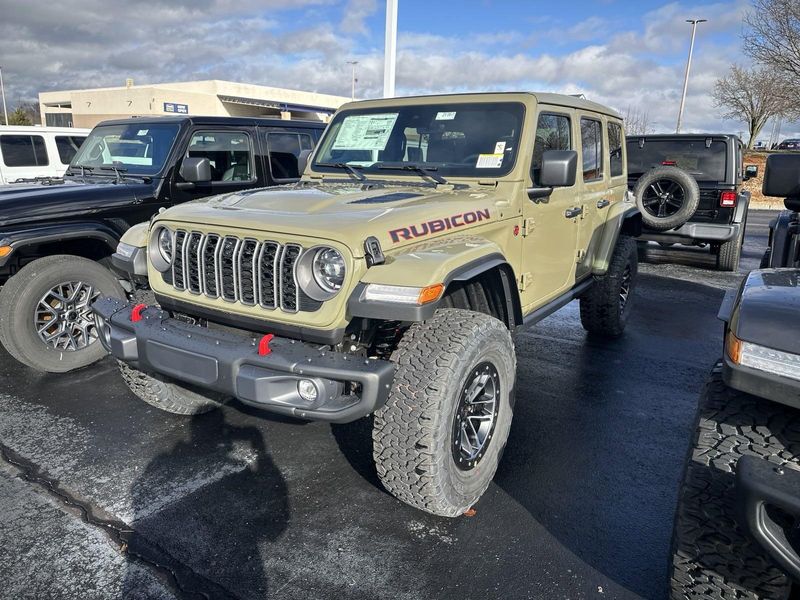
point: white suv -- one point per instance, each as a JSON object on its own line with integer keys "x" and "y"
{"x": 27, "y": 152}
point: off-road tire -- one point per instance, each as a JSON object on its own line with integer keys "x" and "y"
{"x": 691, "y": 198}
{"x": 20, "y": 296}
{"x": 413, "y": 432}
{"x": 730, "y": 253}
{"x": 602, "y": 310}
{"x": 712, "y": 556}
{"x": 168, "y": 395}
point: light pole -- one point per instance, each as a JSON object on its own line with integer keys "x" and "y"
{"x": 694, "y": 23}
{"x": 353, "y": 64}
{"x": 3, "y": 93}
{"x": 390, "y": 51}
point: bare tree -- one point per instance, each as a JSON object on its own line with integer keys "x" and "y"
{"x": 754, "y": 96}
{"x": 772, "y": 36}
{"x": 637, "y": 121}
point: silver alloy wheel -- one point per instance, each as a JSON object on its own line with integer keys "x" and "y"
{"x": 63, "y": 316}
{"x": 476, "y": 415}
{"x": 625, "y": 288}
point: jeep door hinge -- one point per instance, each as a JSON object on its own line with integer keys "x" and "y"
{"x": 580, "y": 255}
{"x": 524, "y": 281}
{"x": 528, "y": 226}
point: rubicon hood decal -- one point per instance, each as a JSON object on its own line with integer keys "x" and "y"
{"x": 437, "y": 225}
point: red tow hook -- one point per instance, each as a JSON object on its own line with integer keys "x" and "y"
{"x": 136, "y": 312}
{"x": 263, "y": 345}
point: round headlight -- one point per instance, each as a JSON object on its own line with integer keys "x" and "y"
{"x": 328, "y": 269}
{"x": 165, "y": 244}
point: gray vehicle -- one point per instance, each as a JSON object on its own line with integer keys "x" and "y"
{"x": 736, "y": 532}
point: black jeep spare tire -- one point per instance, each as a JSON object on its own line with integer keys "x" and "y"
{"x": 46, "y": 321}
{"x": 667, "y": 197}
{"x": 439, "y": 438}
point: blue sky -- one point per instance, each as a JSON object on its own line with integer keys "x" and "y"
{"x": 630, "y": 55}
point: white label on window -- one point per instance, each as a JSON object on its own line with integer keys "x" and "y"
{"x": 142, "y": 132}
{"x": 445, "y": 116}
{"x": 365, "y": 132}
{"x": 499, "y": 147}
{"x": 489, "y": 161}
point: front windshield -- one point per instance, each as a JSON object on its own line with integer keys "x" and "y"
{"x": 138, "y": 148}
{"x": 461, "y": 140}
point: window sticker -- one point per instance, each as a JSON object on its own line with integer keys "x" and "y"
{"x": 141, "y": 132}
{"x": 445, "y": 116}
{"x": 365, "y": 132}
{"x": 489, "y": 161}
{"x": 499, "y": 147}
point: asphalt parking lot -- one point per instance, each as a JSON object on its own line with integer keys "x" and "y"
{"x": 102, "y": 496}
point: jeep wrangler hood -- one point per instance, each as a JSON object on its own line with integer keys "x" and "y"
{"x": 767, "y": 310}
{"x": 395, "y": 215}
{"x": 33, "y": 202}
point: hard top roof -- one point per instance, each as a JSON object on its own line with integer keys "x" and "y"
{"x": 208, "y": 120}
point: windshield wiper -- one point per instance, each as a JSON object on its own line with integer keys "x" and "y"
{"x": 347, "y": 167}
{"x": 83, "y": 169}
{"x": 118, "y": 171}
{"x": 424, "y": 170}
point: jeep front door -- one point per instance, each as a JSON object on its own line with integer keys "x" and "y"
{"x": 550, "y": 233}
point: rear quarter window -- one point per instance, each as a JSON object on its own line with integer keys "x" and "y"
{"x": 23, "y": 151}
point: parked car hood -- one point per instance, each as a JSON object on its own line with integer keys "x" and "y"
{"x": 395, "y": 214}
{"x": 768, "y": 309}
{"x": 39, "y": 201}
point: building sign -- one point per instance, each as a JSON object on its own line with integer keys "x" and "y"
{"x": 178, "y": 109}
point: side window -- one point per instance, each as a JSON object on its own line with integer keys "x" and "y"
{"x": 67, "y": 147}
{"x": 592, "y": 147}
{"x": 615, "y": 148}
{"x": 283, "y": 150}
{"x": 23, "y": 151}
{"x": 229, "y": 152}
{"x": 552, "y": 133}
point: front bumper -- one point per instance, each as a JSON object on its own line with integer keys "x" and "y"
{"x": 761, "y": 383}
{"x": 691, "y": 233}
{"x": 228, "y": 361}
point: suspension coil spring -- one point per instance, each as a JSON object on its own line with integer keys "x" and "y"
{"x": 385, "y": 340}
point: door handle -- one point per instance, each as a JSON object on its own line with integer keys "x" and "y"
{"x": 571, "y": 213}
{"x": 603, "y": 203}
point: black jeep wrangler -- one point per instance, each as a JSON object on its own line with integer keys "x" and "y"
{"x": 57, "y": 235}
{"x": 689, "y": 191}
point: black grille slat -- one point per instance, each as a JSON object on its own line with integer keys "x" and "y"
{"x": 227, "y": 266}
{"x": 266, "y": 274}
{"x": 209, "y": 265}
{"x": 192, "y": 267}
{"x": 178, "y": 279}
{"x": 249, "y": 271}
{"x": 288, "y": 290}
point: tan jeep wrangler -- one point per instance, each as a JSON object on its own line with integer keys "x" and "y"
{"x": 390, "y": 280}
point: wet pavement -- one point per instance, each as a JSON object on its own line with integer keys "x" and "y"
{"x": 102, "y": 496}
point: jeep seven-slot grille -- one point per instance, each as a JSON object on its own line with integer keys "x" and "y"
{"x": 253, "y": 272}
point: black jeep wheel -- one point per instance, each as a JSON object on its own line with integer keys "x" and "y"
{"x": 712, "y": 556}
{"x": 667, "y": 197}
{"x": 730, "y": 253}
{"x": 606, "y": 306}
{"x": 168, "y": 395}
{"x": 46, "y": 321}
{"x": 439, "y": 438}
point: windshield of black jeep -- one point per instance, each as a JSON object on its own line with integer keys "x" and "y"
{"x": 136, "y": 148}
{"x": 461, "y": 140}
{"x": 705, "y": 163}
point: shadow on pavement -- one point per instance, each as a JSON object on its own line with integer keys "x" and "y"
{"x": 233, "y": 505}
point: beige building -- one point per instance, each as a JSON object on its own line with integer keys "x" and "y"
{"x": 86, "y": 108}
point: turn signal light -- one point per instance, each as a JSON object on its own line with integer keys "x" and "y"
{"x": 727, "y": 199}
{"x": 733, "y": 347}
{"x": 430, "y": 294}
{"x": 5, "y": 251}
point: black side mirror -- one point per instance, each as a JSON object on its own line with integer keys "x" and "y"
{"x": 559, "y": 169}
{"x": 195, "y": 169}
{"x": 302, "y": 162}
{"x": 750, "y": 172}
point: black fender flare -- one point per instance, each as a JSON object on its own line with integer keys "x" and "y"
{"x": 28, "y": 236}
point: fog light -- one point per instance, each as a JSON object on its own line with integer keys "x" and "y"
{"x": 307, "y": 390}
